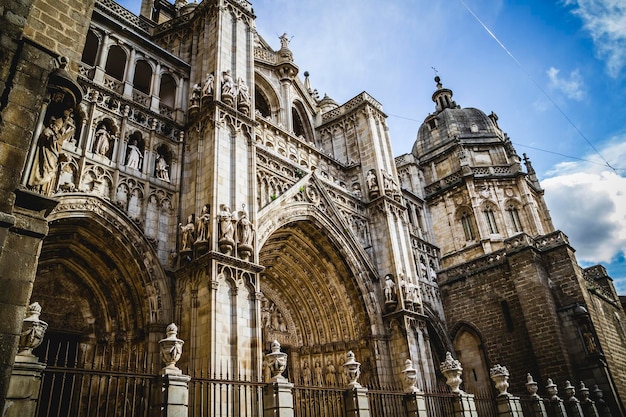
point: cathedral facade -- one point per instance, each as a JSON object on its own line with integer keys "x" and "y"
{"x": 176, "y": 167}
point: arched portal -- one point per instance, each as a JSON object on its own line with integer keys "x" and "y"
{"x": 315, "y": 303}
{"x": 98, "y": 280}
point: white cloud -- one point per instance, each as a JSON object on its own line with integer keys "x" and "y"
{"x": 587, "y": 201}
{"x": 572, "y": 87}
{"x": 605, "y": 20}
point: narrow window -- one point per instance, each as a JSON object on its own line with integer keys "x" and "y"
{"x": 490, "y": 219}
{"x": 506, "y": 313}
{"x": 116, "y": 63}
{"x": 143, "y": 77}
{"x": 91, "y": 49}
{"x": 514, "y": 217}
{"x": 167, "y": 92}
{"x": 468, "y": 229}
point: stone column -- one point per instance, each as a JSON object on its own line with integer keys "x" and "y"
{"x": 174, "y": 385}
{"x": 557, "y": 409}
{"x": 356, "y": 395}
{"x": 277, "y": 396}
{"x": 414, "y": 401}
{"x": 508, "y": 405}
{"x": 536, "y": 403}
{"x": 23, "y": 392}
{"x": 464, "y": 404}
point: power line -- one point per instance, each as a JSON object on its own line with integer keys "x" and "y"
{"x": 606, "y": 163}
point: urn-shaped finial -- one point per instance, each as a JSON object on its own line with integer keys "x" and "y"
{"x": 33, "y": 331}
{"x": 552, "y": 390}
{"x": 352, "y": 368}
{"x": 570, "y": 392}
{"x": 500, "y": 377}
{"x": 276, "y": 362}
{"x": 451, "y": 369}
{"x": 531, "y": 386}
{"x": 171, "y": 350}
{"x": 584, "y": 393}
{"x": 409, "y": 377}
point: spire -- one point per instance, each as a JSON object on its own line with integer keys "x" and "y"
{"x": 532, "y": 175}
{"x": 442, "y": 97}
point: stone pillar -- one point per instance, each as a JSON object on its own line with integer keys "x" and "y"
{"x": 555, "y": 404}
{"x": 356, "y": 396}
{"x": 508, "y": 405}
{"x": 572, "y": 404}
{"x": 586, "y": 404}
{"x": 277, "y": 396}
{"x": 464, "y": 404}
{"x": 174, "y": 385}
{"x": 23, "y": 392}
{"x": 536, "y": 403}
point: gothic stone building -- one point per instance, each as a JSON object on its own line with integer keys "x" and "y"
{"x": 177, "y": 167}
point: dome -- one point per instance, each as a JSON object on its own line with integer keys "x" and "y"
{"x": 443, "y": 127}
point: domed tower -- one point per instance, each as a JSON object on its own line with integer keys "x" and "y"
{"x": 475, "y": 187}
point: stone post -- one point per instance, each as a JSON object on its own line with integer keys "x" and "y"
{"x": 277, "y": 396}
{"x": 536, "y": 403}
{"x": 557, "y": 409}
{"x": 508, "y": 405}
{"x": 174, "y": 385}
{"x": 464, "y": 404}
{"x": 414, "y": 401}
{"x": 601, "y": 405}
{"x": 23, "y": 390}
{"x": 572, "y": 404}
{"x": 587, "y": 404}
{"x": 356, "y": 395}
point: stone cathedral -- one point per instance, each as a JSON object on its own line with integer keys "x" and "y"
{"x": 178, "y": 167}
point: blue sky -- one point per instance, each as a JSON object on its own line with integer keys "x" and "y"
{"x": 555, "y": 76}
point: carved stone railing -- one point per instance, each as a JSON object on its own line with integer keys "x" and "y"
{"x": 113, "y": 84}
{"x": 350, "y": 105}
{"x": 86, "y": 71}
{"x": 141, "y": 98}
{"x": 266, "y": 56}
{"x": 113, "y": 9}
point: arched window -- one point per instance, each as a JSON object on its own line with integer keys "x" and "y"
{"x": 490, "y": 220}
{"x": 261, "y": 103}
{"x": 143, "y": 77}
{"x": 516, "y": 224}
{"x": 90, "y": 52}
{"x": 299, "y": 122}
{"x": 167, "y": 92}
{"x": 116, "y": 63}
{"x": 468, "y": 226}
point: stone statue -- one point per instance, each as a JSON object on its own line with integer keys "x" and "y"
{"x": 245, "y": 229}
{"x": 133, "y": 160}
{"x": 243, "y": 93}
{"x": 331, "y": 374}
{"x": 162, "y": 169}
{"x": 194, "y": 100}
{"x": 432, "y": 274}
{"x": 390, "y": 289}
{"x": 187, "y": 232}
{"x": 306, "y": 374}
{"x": 103, "y": 141}
{"x": 202, "y": 225}
{"x": 284, "y": 40}
{"x": 228, "y": 87}
{"x": 318, "y": 373}
{"x": 388, "y": 181}
{"x": 45, "y": 163}
{"x": 207, "y": 89}
{"x": 227, "y": 230}
{"x": 423, "y": 269}
{"x": 372, "y": 183}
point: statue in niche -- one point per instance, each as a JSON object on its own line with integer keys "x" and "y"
{"x": 390, "y": 289}
{"x": 356, "y": 190}
{"x": 245, "y": 235}
{"x": 202, "y": 225}
{"x": 372, "y": 183}
{"x": 389, "y": 182}
{"x": 226, "y": 229}
{"x": 162, "y": 168}
{"x": 187, "y": 233}
{"x": 331, "y": 373}
{"x": 103, "y": 140}
{"x": 243, "y": 96}
{"x": 423, "y": 269}
{"x": 228, "y": 88}
{"x": 194, "y": 99}
{"x": 432, "y": 274}
{"x": 207, "y": 88}
{"x": 409, "y": 291}
{"x": 46, "y": 161}
{"x": 134, "y": 157}
{"x": 318, "y": 373}
{"x": 306, "y": 374}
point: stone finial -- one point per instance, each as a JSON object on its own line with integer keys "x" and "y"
{"x": 409, "y": 377}
{"x": 171, "y": 350}
{"x": 276, "y": 363}
{"x": 531, "y": 386}
{"x": 570, "y": 392}
{"x": 500, "y": 376}
{"x": 552, "y": 390}
{"x": 352, "y": 369}
{"x": 451, "y": 369}
{"x": 33, "y": 331}
{"x": 584, "y": 393}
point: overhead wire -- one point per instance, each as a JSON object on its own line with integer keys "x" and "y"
{"x": 545, "y": 93}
